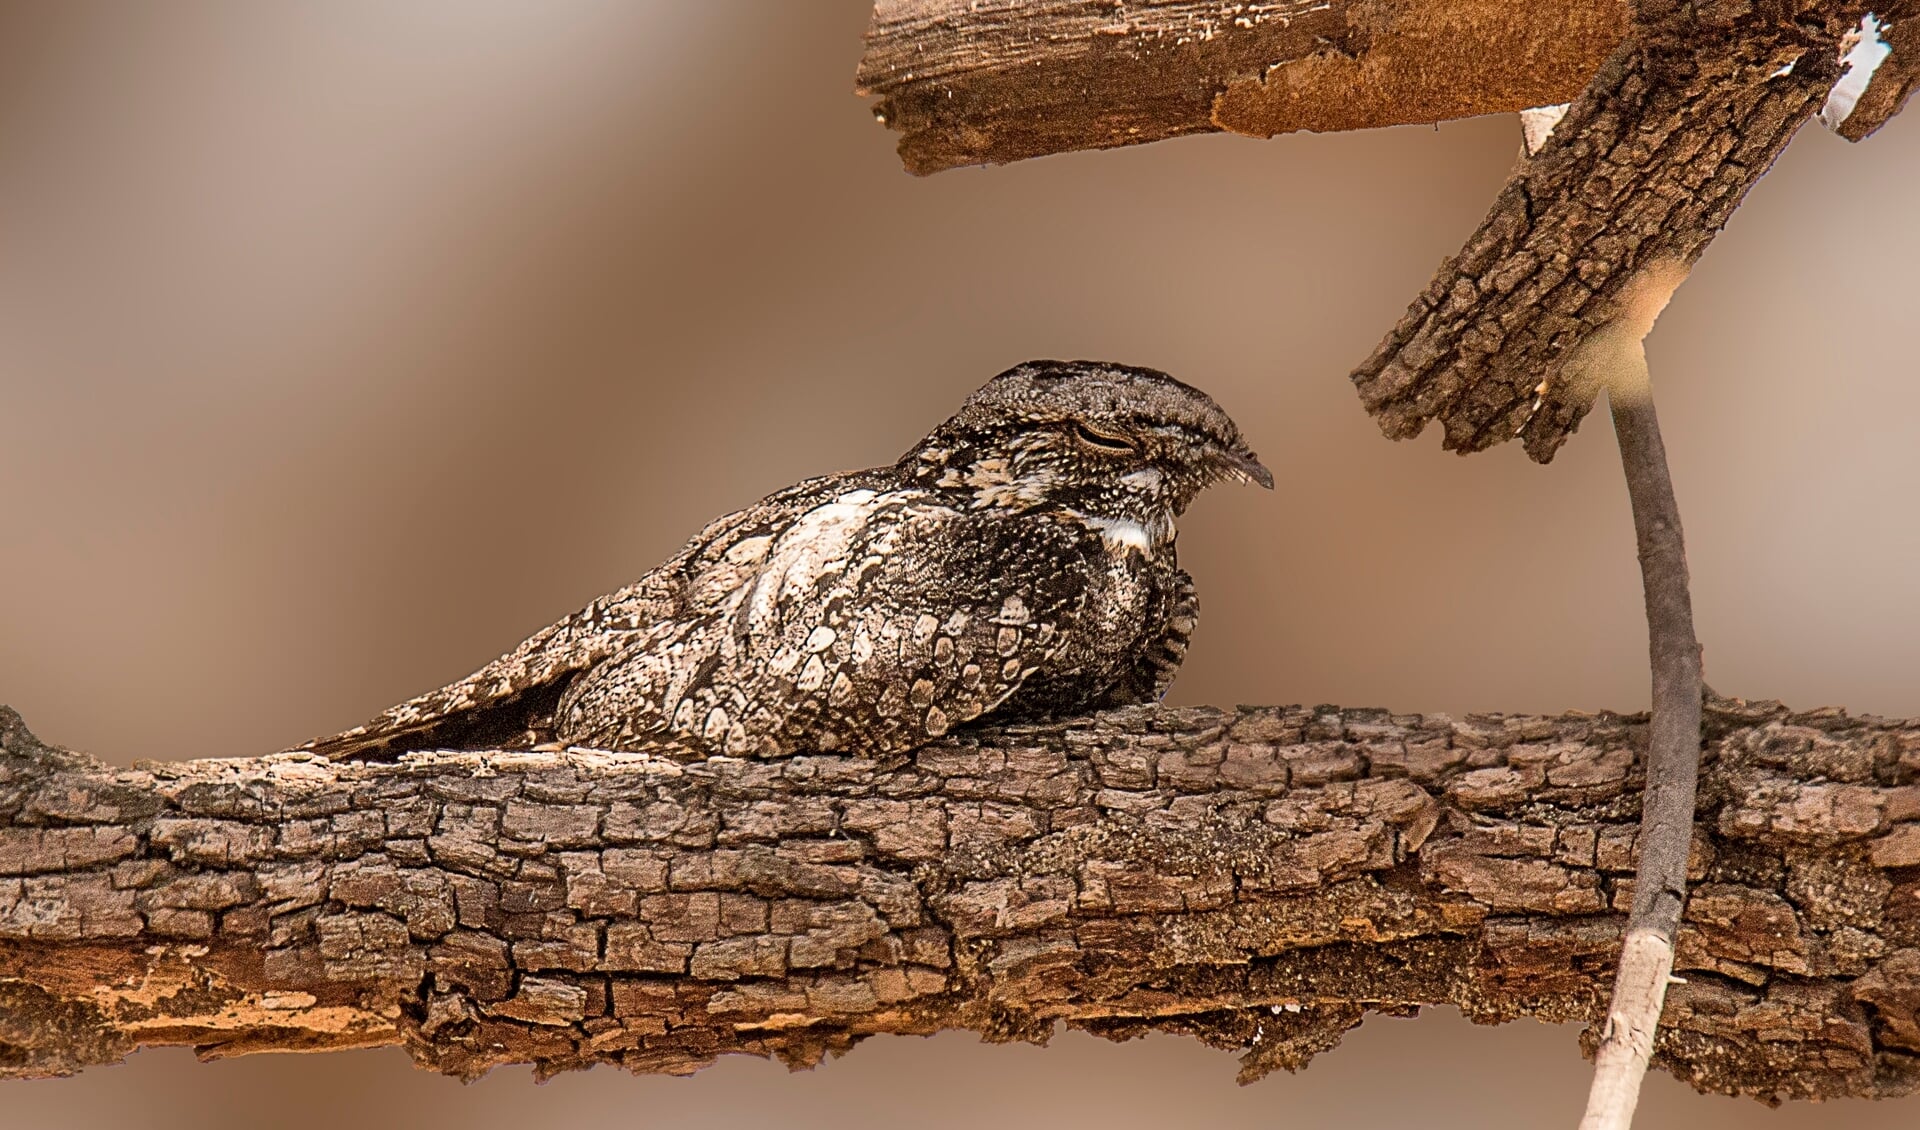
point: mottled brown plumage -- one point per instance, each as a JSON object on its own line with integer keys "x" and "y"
{"x": 1016, "y": 563}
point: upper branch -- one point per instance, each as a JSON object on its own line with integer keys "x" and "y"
{"x": 1259, "y": 879}
{"x": 968, "y": 82}
{"x": 1646, "y": 167}
{"x": 1681, "y": 108}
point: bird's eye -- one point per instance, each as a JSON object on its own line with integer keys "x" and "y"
{"x": 1104, "y": 441}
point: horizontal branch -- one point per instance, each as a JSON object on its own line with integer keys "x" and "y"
{"x": 1259, "y": 879}
{"x": 968, "y": 83}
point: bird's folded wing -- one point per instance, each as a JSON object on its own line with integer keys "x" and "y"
{"x": 500, "y": 702}
{"x": 493, "y": 704}
{"x": 933, "y": 617}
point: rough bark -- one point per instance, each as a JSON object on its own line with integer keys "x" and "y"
{"x": 1258, "y": 878}
{"x": 970, "y": 83}
{"x": 1647, "y": 166}
{"x": 1681, "y": 108}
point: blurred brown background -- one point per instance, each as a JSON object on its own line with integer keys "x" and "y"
{"x": 343, "y": 345}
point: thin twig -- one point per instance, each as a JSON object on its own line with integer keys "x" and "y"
{"x": 1673, "y": 767}
{"x": 1615, "y": 358}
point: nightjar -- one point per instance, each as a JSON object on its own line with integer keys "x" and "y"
{"x": 1017, "y": 563}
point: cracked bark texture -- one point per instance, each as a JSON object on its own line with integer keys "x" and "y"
{"x": 968, "y": 82}
{"x": 1258, "y": 878}
{"x": 1646, "y": 167}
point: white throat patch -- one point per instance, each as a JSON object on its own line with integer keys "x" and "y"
{"x": 1122, "y": 534}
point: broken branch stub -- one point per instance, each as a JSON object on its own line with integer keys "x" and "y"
{"x": 1647, "y": 166}
{"x": 1260, "y": 879}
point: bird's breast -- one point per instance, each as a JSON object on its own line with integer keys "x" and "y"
{"x": 1122, "y": 594}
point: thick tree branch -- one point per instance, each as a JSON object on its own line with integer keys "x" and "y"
{"x": 970, "y": 83}
{"x": 1259, "y": 879}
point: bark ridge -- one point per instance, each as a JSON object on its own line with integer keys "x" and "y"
{"x": 1259, "y": 878}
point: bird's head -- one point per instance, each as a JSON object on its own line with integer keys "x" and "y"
{"x": 1110, "y": 442}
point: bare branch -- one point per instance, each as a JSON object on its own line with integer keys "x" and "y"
{"x": 1646, "y": 167}
{"x": 1673, "y": 766}
{"x": 1259, "y": 879}
{"x": 970, "y": 83}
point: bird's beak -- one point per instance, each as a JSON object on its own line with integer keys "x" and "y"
{"x": 1245, "y": 466}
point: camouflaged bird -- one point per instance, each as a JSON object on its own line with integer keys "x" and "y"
{"x": 1017, "y": 563}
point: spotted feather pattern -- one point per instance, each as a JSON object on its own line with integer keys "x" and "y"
{"x": 1008, "y": 567}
